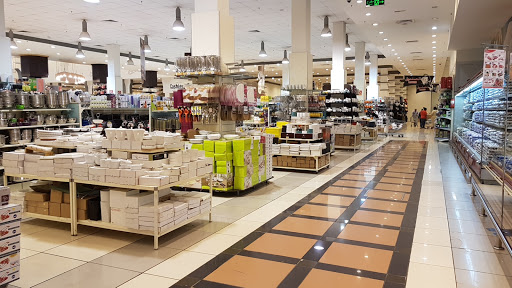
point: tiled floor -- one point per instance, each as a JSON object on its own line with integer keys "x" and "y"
{"x": 393, "y": 220}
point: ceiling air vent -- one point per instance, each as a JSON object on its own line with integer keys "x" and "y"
{"x": 254, "y": 31}
{"x": 418, "y": 59}
{"x": 412, "y": 41}
{"x": 110, "y": 20}
{"x": 416, "y": 52}
{"x": 23, "y": 31}
{"x": 405, "y": 22}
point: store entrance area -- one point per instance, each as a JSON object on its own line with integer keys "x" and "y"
{"x": 390, "y": 215}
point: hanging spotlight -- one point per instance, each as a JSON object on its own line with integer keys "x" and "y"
{"x": 347, "y": 46}
{"x": 147, "y": 49}
{"x": 84, "y": 36}
{"x": 167, "y": 68}
{"x": 13, "y": 43}
{"x": 178, "y": 24}
{"x": 326, "y": 32}
{"x": 285, "y": 58}
{"x": 130, "y": 60}
{"x": 80, "y": 53}
{"x": 263, "y": 53}
{"x": 367, "y": 59}
{"x": 242, "y": 66}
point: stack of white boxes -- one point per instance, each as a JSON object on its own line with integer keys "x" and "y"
{"x": 269, "y": 139}
{"x": 347, "y": 129}
{"x": 196, "y": 202}
{"x": 13, "y": 162}
{"x": 105, "y": 205}
{"x": 165, "y": 216}
{"x": 31, "y": 166}
{"x": 10, "y": 221}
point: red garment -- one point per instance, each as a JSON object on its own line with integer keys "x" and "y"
{"x": 423, "y": 114}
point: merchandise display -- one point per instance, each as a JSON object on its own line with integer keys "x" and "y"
{"x": 347, "y": 136}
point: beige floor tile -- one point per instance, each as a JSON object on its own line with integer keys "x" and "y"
{"x": 332, "y": 200}
{"x": 384, "y": 205}
{"x": 473, "y": 279}
{"x": 380, "y": 218}
{"x": 25, "y": 253}
{"x": 180, "y": 265}
{"x": 182, "y": 238}
{"x": 387, "y": 195}
{"x": 370, "y": 234}
{"x": 47, "y": 239}
{"x": 432, "y": 237}
{"x": 349, "y": 183}
{"x": 94, "y": 246}
{"x": 240, "y": 228}
{"x": 432, "y": 255}
{"x": 436, "y": 212}
{"x": 320, "y": 211}
{"x": 326, "y": 279}
{"x": 428, "y": 276}
{"x": 400, "y": 181}
{"x": 423, "y": 222}
{"x": 358, "y": 257}
{"x": 214, "y": 244}
{"x": 482, "y": 262}
{"x": 467, "y": 227}
{"x": 90, "y": 275}
{"x": 466, "y": 215}
{"x": 471, "y": 242}
{"x": 282, "y": 245}
{"x": 248, "y": 272}
{"x": 394, "y": 187}
{"x": 344, "y": 191}
{"x": 219, "y": 200}
{"x": 146, "y": 280}
{"x": 358, "y": 177}
{"x": 41, "y": 267}
{"x": 37, "y": 225}
{"x": 139, "y": 256}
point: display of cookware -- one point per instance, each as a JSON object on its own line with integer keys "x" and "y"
{"x": 51, "y": 120}
{"x": 37, "y": 100}
{"x": 63, "y": 99}
{"x": 15, "y": 136}
{"x": 3, "y": 140}
{"x": 51, "y": 99}
{"x": 62, "y": 119}
{"x": 26, "y": 134}
{"x": 23, "y": 99}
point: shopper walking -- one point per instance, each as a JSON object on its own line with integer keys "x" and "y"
{"x": 423, "y": 118}
{"x": 415, "y": 117}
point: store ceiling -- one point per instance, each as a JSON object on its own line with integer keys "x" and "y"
{"x": 123, "y": 22}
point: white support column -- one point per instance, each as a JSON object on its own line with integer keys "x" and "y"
{"x": 301, "y": 60}
{"x": 360, "y": 71}
{"x": 373, "y": 88}
{"x": 213, "y": 30}
{"x": 114, "y": 80}
{"x": 286, "y": 75}
{"x": 338, "y": 73}
{"x": 5, "y": 49}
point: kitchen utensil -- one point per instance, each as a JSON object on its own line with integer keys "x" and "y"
{"x": 3, "y": 140}
{"x": 26, "y": 134}
{"x": 23, "y": 99}
{"x": 71, "y": 120}
{"x": 62, "y": 119}
{"x": 4, "y": 122}
{"x": 50, "y": 120}
{"x": 15, "y": 135}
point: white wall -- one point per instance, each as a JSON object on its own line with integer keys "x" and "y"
{"x": 420, "y": 100}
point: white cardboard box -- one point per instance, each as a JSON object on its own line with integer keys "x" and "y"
{"x": 10, "y": 212}
{"x": 16, "y": 156}
{"x": 105, "y": 211}
{"x": 153, "y": 181}
{"x": 9, "y": 261}
{"x": 13, "y": 163}
{"x": 137, "y": 200}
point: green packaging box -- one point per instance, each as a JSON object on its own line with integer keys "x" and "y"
{"x": 242, "y": 144}
{"x": 224, "y": 157}
{"x": 209, "y": 146}
{"x": 223, "y": 147}
{"x": 198, "y": 146}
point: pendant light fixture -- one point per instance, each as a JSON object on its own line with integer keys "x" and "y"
{"x": 263, "y": 53}
{"x": 167, "y": 67}
{"x": 178, "y": 24}
{"x": 147, "y": 49}
{"x": 285, "y": 58}
{"x": 347, "y": 46}
{"x": 326, "y": 32}
{"x": 130, "y": 60}
{"x": 80, "y": 53}
{"x": 242, "y": 66}
{"x": 367, "y": 59}
{"x": 84, "y": 36}
{"x": 13, "y": 43}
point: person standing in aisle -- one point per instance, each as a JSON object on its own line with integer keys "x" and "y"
{"x": 415, "y": 117}
{"x": 423, "y": 118}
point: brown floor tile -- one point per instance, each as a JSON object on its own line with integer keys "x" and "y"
{"x": 358, "y": 177}
{"x": 364, "y": 172}
{"x": 396, "y": 180}
{"x": 249, "y": 272}
{"x": 406, "y": 197}
{"x": 358, "y": 257}
{"x": 282, "y": 245}
{"x": 344, "y": 191}
{"x": 367, "y": 234}
{"x": 304, "y": 226}
{"x": 400, "y": 175}
{"x": 407, "y": 167}
{"x": 327, "y": 279}
{"x": 333, "y": 200}
{"x": 320, "y": 211}
{"x": 394, "y": 187}
{"x": 401, "y": 170}
{"x": 387, "y": 195}
{"x": 380, "y": 218}
{"x": 348, "y": 183}
{"x": 384, "y": 205}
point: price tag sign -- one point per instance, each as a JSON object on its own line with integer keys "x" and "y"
{"x": 374, "y": 2}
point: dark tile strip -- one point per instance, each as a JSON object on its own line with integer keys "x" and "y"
{"x": 295, "y": 234}
{"x": 351, "y": 271}
{"x": 381, "y": 211}
{"x": 270, "y": 257}
{"x": 364, "y": 244}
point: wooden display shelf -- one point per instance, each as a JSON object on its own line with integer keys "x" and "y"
{"x": 348, "y": 147}
{"x": 301, "y": 155}
{"x": 301, "y": 169}
{"x": 46, "y": 217}
{"x": 150, "y": 151}
{"x": 316, "y": 169}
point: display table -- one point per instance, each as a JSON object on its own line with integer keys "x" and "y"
{"x": 100, "y": 224}
{"x": 349, "y": 141}
{"x": 294, "y": 162}
{"x": 370, "y": 134}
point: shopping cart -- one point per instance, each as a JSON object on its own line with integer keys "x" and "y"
{"x": 394, "y": 127}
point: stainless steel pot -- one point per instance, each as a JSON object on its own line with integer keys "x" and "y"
{"x": 51, "y": 100}
{"x": 3, "y": 140}
{"x": 40, "y": 119}
{"x": 15, "y": 136}
{"x": 4, "y": 122}
{"x": 23, "y": 99}
{"x": 8, "y": 99}
{"x": 51, "y": 120}
{"x": 26, "y": 134}
{"x": 63, "y": 99}
{"x": 37, "y": 100}
{"x": 62, "y": 119}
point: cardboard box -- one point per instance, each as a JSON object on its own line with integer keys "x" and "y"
{"x": 15, "y": 156}
{"x": 43, "y": 211}
{"x": 82, "y": 202}
{"x": 65, "y": 210}
{"x": 54, "y": 209}
{"x": 31, "y": 209}
{"x": 39, "y": 204}
{"x": 10, "y": 212}
{"x": 56, "y": 196}
{"x": 105, "y": 211}
{"x": 82, "y": 214}
{"x": 9, "y": 261}
{"x": 140, "y": 199}
{"x": 65, "y": 198}
{"x": 9, "y": 245}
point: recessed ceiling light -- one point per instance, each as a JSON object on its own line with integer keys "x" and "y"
{"x": 381, "y": 32}
{"x": 433, "y": 51}
{"x": 359, "y": 1}
{"x": 58, "y": 53}
{"x": 434, "y": 42}
{"x": 389, "y": 45}
{"x": 434, "y": 56}
{"x": 375, "y": 24}
{"x": 385, "y": 39}
{"x": 393, "y": 50}
{"x": 434, "y": 36}
{"x": 396, "y": 54}
{"x": 434, "y": 28}
{"x": 368, "y": 14}
{"x": 52, "y": 46}
{"x": 92, "y": 1}
{"x": 28, "y": 49}
{"x": 434, "y": 47}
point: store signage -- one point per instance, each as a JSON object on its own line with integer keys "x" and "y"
{"x": 422, "y": 83}
{"x": 374, "y": 2}
{"x": 494, "y": 69}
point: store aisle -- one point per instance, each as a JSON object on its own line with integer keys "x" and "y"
{"x": 356, "y": 229}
